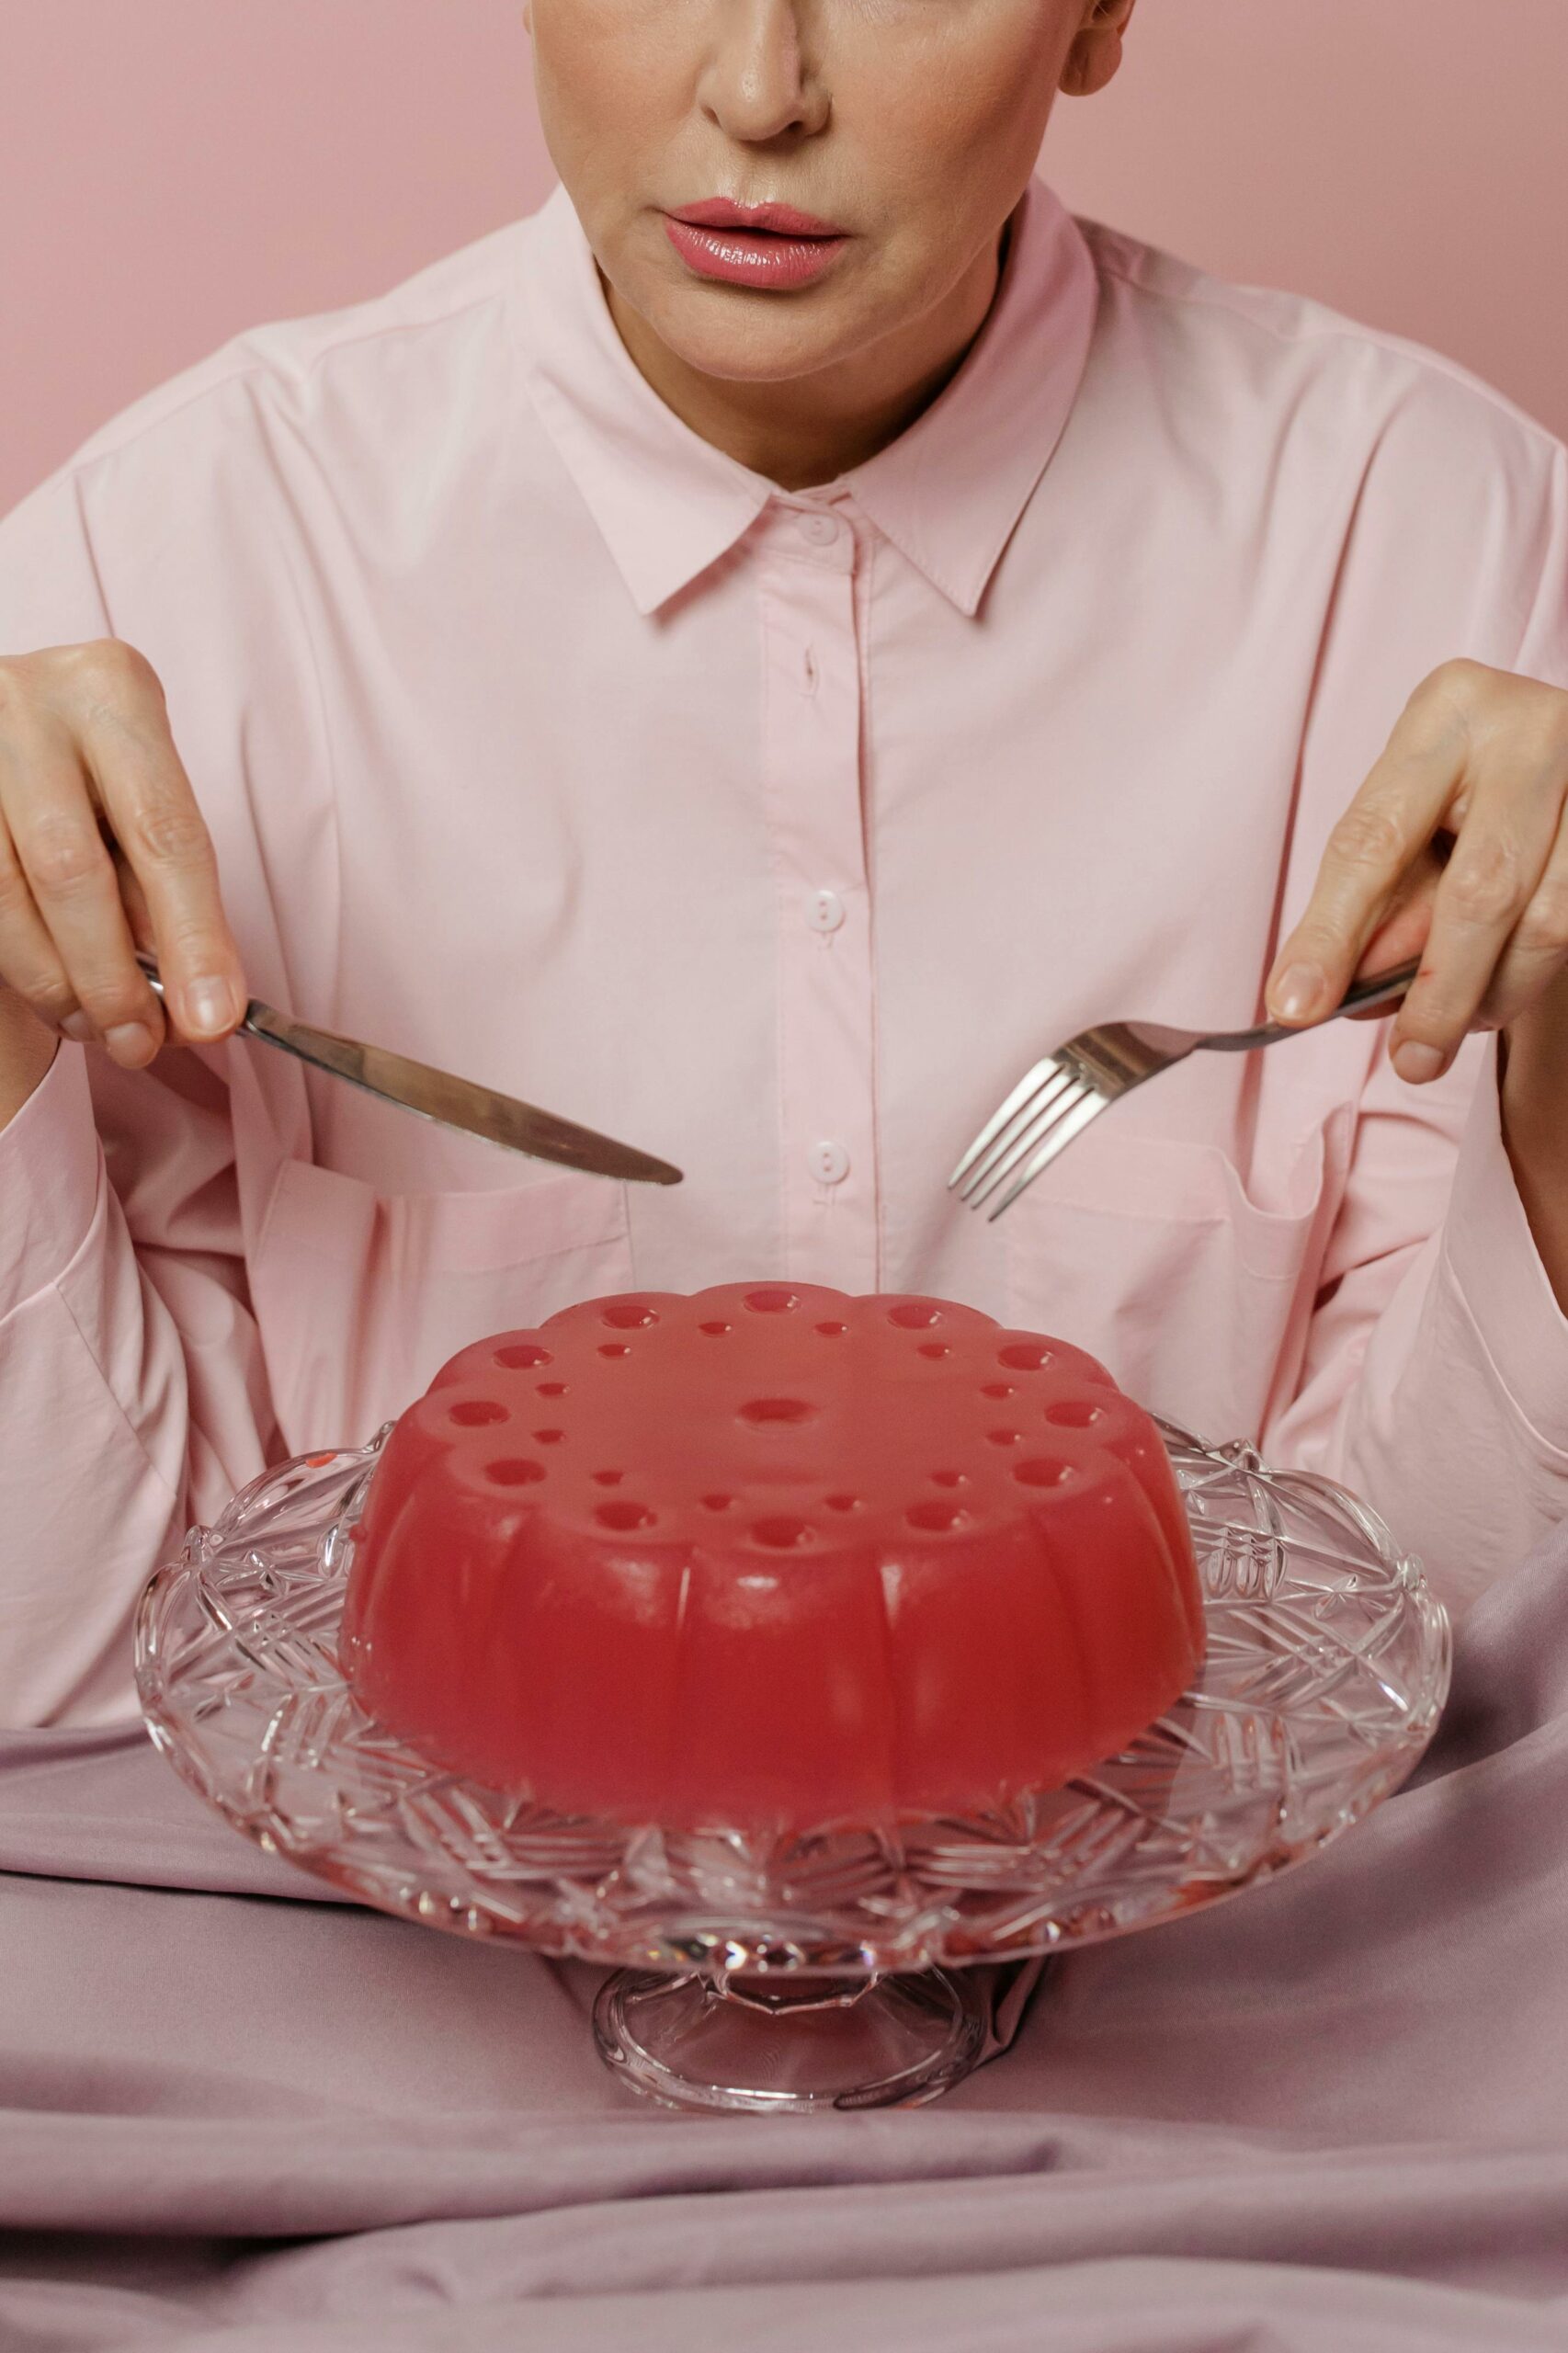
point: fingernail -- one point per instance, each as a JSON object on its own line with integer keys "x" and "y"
{"x": 1417, "y": 1062}
{"x": 129, "y": 1041}
{"x": 208, "y": 1006}
{"x": 77, "y": 1026}
{"x": 1298, "y": 989}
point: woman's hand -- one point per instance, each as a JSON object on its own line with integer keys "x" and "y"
{"x": 102, "y": 848}
{"x": 1455, "y": 849}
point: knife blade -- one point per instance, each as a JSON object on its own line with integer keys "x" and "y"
{"x": 458, "y": 1103}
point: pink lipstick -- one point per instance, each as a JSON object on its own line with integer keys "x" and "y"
{"x": 769, "y": 247}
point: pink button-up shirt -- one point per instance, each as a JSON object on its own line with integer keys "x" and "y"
{"x": 777, "y": 833}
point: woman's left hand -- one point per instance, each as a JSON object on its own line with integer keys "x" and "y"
{"x": 1455, "y": 849}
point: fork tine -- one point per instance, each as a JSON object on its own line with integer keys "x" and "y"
{"x": 1016, "y": 1128}
{"x": 1024, "y": 1143}
{"x": 1000, "y": 1119}
{"x": 1063, "y": 1128}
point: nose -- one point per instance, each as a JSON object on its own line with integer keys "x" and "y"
{"x": 759, "y": 83}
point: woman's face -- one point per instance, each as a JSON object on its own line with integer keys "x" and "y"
{"x": 908, "y": 127}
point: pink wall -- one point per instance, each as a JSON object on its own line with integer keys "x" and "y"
{"x": 1405, "y": 160}
{"x": 172, "y": 170}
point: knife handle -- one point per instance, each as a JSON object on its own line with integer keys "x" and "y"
{"x": 343, "y": 1056}
{"x": 255, "y": 1012}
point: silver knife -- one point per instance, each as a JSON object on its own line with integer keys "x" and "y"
{"x": 453, "y": 1102}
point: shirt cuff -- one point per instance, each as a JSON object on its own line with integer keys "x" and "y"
{"x": 51, "y": 1169}
{"x": 1498, "y": 1271}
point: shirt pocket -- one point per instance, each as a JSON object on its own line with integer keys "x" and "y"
{"x": 1195, "y": 1290}
{"x": 362, "y": 1296}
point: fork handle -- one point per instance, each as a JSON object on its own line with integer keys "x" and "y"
{"x": 1374, "y": 990}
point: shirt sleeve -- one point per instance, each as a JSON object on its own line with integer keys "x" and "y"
{"x": 1436, "y": 1377}
{"x": 132, "y": 1393}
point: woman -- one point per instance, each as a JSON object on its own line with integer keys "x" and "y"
{"x": 748, "y": 658}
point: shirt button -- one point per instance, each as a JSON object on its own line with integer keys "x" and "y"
{"x": 821, "y": 529}
{"x": 829, "y": 1164}
{"x": 824, "y": 911}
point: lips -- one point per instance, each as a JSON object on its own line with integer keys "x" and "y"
{"x": 771, "y": 248}
{"x": 778, "y": 220}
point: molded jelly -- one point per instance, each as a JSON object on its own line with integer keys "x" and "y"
{"x": 769, "y": 1556}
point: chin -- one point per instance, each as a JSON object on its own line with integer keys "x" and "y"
{"x": 755, "y": 339}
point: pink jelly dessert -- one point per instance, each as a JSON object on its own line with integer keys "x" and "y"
{"x": 767, "y": 1555}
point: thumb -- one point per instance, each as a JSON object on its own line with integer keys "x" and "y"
{"x": 1403, "y": 930}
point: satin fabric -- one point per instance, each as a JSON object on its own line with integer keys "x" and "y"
{"x": 1327, "y": 2115}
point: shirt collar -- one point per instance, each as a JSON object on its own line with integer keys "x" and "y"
{"x": 947, "y": 493}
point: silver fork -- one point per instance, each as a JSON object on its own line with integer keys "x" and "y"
{"x": 1056, "y": 1100}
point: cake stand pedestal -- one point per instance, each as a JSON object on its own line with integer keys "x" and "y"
{"x": 833, "y": 1969}
{"x": 735, "y": 2042}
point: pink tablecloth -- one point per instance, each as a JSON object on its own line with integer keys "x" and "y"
{"x": 1332, "y": 2114}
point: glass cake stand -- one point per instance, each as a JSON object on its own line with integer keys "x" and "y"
{"x": 826, "y": 1971}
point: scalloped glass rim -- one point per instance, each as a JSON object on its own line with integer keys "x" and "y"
{"x": 1327, "y": 1666}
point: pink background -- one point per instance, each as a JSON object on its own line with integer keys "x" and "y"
{"x": 173, "y": 170}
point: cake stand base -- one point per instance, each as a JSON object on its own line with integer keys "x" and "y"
{"x": 705, "y": 2042}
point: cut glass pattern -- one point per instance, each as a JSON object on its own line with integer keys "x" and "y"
{"x": 1327, "y": 1665}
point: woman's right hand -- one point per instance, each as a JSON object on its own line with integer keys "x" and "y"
{"x": 103, "y": 849}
